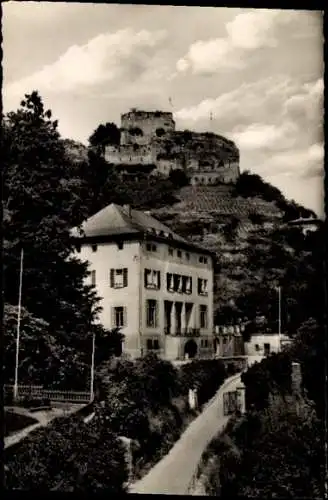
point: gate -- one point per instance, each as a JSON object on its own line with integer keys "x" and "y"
{"x": 229, "y": 402}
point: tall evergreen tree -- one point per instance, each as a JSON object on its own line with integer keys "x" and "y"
{"x": 44, "y": 195}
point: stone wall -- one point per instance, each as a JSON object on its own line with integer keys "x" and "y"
{"x": 149, "y": 122}
{"x": 149, "y": 137}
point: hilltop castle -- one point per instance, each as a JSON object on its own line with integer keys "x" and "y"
{"x": 149, "y": 139}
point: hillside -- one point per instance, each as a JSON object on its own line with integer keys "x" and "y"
{"x": 245, "y": 224}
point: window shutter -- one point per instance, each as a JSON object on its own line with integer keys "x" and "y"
{"x": 156, "y": 314}
{"x": 125, "y": 277}
{"x": 158, "y": 280}
{"x": 125, "y": 316}
{"x": 112, "y": 271}
{"x": 146, "y": 278}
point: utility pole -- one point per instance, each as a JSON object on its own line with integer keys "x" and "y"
{"x": 92, "y": 366}
{"x": 279, "y": 316}
{"x": 18, "y": 323}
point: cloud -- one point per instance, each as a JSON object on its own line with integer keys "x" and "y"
{"x": 247, "y": 32}
{"x": 265, "y": 136}
{"x": 107, "y": 57}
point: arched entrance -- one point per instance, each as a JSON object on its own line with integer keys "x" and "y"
{"x": 190, "y": 349}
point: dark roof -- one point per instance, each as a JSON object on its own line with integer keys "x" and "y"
{"x": 116, "y": 220}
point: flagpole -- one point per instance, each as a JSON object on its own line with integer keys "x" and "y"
{"x": 18, "y": 323}
{"x": 92, "y": 367}
{"x": 279, "y": 316}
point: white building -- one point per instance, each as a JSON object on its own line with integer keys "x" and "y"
{"x": 155, "y": 286}
{"x": 264, "y": 344}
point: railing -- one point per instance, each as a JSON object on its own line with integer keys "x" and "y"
{"x": 182, "y": 332}
{"x": 37, "y": 391}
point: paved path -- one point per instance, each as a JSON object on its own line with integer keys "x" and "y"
{"x": 174, "y": 473}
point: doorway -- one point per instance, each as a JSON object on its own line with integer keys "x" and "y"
{"x": 190, "y": 349}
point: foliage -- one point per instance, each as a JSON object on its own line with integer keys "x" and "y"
{"x": 309, "y": 348}
{"x": 105, "y": 135}
{"x": 178, "y": 178}
{"x": 262, "y": 379}
{"x": 39, "y": 177}
{"x": 288, "y": 439}
{"x": 251, "y": 185}
{"x": 206, "y": 375}
{"x": 71, "y": 454}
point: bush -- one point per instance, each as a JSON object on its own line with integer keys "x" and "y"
{"x": 273, "y": 373}
{"x": 206, "y": 375}
{"x": 66, "y": 452}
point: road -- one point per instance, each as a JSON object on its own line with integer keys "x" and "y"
{"x": 174, "y": 473}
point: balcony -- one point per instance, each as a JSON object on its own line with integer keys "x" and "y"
{"x": 182, "y": 332}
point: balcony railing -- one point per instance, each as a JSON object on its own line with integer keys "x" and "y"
{"x": 182, "y": 332}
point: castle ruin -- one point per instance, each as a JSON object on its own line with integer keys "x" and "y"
{"x": 150, "y": 138}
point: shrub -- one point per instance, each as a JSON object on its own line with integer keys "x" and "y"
{"x": 65, "y": 453}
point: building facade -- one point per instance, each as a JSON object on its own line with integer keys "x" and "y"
{"x": 155, "y": 286}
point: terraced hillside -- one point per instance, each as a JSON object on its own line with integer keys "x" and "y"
{"x": 216, "y": 218}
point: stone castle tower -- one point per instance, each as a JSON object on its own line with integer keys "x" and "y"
{"x": 149, "y": 138}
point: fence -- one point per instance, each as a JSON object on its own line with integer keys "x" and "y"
{"x": 37, "y": 391}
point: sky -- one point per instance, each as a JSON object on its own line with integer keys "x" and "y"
{"x": 259, "y": 72}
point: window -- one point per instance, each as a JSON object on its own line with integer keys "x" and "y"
{"x": 151, "y": 313}
{"x": 152, "y": 345}
{"x": 78, "y": 248}
{"x": 169, "y": 282}
{"x": 186, "y": 284}
{"x": 177, "y": 283}
{"x": 204, "y": 343}
{"x": 119, "y": 317}
{"x": 203, "y": 316}
{"x": 266, "y": 349}
{"x": 150, "y": 247}
{"x": 120, "y": 245}
{"x": 119, "y": 278}
{"x": 170, "y": 251}
{"x": 93, "y": 278}
{"x": 203, "y": 259}
{"x": 94, "y": 248}
{"x": 152, "y": 279}
{"x": 187, "y": 256}
{"x": 202, "y": 287}
{"x": 179, "y": 253}
{"x": 257, "y": 347}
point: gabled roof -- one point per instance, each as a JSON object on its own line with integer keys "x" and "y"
{"x": 122, "y": 220}
{"x": 114, "y": 221}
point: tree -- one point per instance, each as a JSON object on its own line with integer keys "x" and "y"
{"x": 105, "y": 135}
{"x": 178, "y": 178}
{"x": 44, "y": 196}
